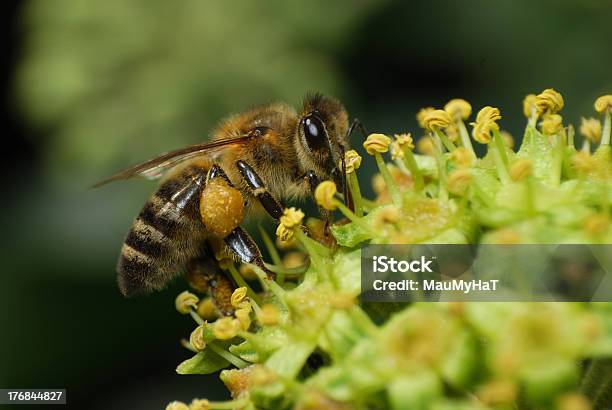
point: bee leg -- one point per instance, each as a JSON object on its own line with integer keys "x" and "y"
{"x": 237, "y": 240}
{"x": 313, "y": 182}
{"x": 205, "y": 275}
{"x": 356, "y": 124}
{"x": 217, "y": 172}
{"x": 221, "y": 289}
{"x": 243, "y": 246}
{"x": 259, "y": 190}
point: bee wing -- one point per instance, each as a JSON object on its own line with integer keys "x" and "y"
{"x": 156, "y": 167}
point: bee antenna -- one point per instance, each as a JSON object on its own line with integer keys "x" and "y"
{"x": 356, "y": 124}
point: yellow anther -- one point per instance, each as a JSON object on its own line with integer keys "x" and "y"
{"x": 177, "y": 405}
{"x": 352, "y": 161}
{"x": 452, "y": 132}
{"x": 482, "y": 131}
{"x": 396, "y": 151}
{"x": 425, "y": 145}
{"x": 488, "y": 113}
{"x": 485, "y": 124}
{"x": 245, "y": 305}
{"x": 421, "y": 115}
{"x": 197, "y": 340}
{"x": 226, "y": 328}
{"x": 206, "y": 309}
{"x": 238, "y": 296}
{"x": 583, "y": 162}
{"x": 462, "y": 157}
{"x": 292, "y": 217}
{"x": 283, "y": 233}
{"x": 529, "y": 105}
{"x": 244, "y": 317}
{"x": 521, "y": 169}
{"x": 199, "y": 404}
{"x": 437, "y": 119}
{"x": 603, "y": 103}
{"x": 459, "y": 180}
{"x": 185, "y": 301}
{"x": 377, "y": 143}
{"x": 324, "y": 195}
{"x": 549, "y": 101}
{"x": 288, "y": 243}
{"x": 269, "y": 315}
{"x": 458, "y": 109}
{"x": 590, "y": 128}
{"x": 551, "y": 124}
{"x": 404, "y": 140}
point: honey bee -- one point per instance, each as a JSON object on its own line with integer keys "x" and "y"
{"x": 254, "y": 160}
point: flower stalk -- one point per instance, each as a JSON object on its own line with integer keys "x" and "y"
{"x": 607, "y": 129}
{"x": 235, "y": 360}
{"x": 384, "y": 171}
{"x": 460, "y": 110}
{"x": 501, "y": 148}
{"x": 237, "y": 277}
{"x": 603, "y": 105}
{"x": 411, "y": 165}
{"x": 274, "y": 255}
{"x": 441, "y": 165}
{"x": 196, "y": 317}
{"x": 465, "y": 136}
{"x": 450, "y": 147}
{"x": 353, "y": 184}
{"x": 352, "y": 162}
{"x": 325, "y": 195}
{"x": 376, "y": 144}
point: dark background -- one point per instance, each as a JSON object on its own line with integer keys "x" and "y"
{"x": 90, "y": 87}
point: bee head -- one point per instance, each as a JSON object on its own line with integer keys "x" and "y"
{"x": 322, "y": 137}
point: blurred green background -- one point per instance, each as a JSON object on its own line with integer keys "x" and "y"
{"x": 91, "y": 87}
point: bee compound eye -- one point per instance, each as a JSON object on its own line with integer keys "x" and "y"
{"x": 314, "y": 133}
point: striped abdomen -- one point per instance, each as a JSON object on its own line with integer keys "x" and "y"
{"x": 166, "y": 234}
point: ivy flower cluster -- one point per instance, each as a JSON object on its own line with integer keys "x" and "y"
{"x": 303, "y": 341}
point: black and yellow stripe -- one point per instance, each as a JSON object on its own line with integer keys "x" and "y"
{"x": 165, "y": 235}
